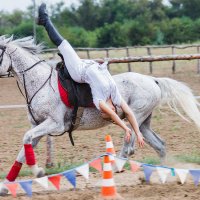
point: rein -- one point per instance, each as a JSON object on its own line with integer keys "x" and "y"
{"x": 28, "y": 102}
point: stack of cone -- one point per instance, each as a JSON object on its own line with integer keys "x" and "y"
{"x": 108, "y": 190}
{"x": 110, "y": 149}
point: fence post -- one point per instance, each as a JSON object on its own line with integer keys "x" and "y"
{"x": 127, "y": 54}
{"x": 174, "y": 62}
{"x": 150, "y": 63}
{"x": 107, "y": 56}
{"x": 198, "y": 61}
{"x": 88, "y": 53}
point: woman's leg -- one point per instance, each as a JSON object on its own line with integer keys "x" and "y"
{"x": 44, "y": 20}
{"x": 72, "y": 60}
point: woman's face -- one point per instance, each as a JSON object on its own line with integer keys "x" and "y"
{"x": 110, "y": 104}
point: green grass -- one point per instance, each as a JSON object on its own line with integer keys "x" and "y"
{"x": 189, "y": 158}
{"x": 150, "y": 160}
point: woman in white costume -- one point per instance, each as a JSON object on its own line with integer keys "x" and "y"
{"x": 104, "y": 90}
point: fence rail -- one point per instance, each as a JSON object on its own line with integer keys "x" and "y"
{"x": 149, "y": 58}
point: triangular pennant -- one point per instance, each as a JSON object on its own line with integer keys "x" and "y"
{"x": 97, "y": 164}
{"x": 71, "y": 177}
{"x": 134, "y": 166}
{"x": 163, "y": 173}
{"x": 43, "y": 181}
{"x": 120, "y": 163}
{"x": 55, "y": 180}
{"x": 12, "y": 188}
{"x": 147, "y": 172}
{"x": 83, "y": 170}
{"x": 182, "y": 174}
{"x": 27, "y": 187}
{"x": 196, "y": 176}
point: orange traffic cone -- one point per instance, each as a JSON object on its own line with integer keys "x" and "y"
{"x": 108, "y": 190}
{"x": 110, "y": 149}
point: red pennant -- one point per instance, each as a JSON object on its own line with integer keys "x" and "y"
{"x": 97, "y": 164}
{"x": 134, "y": 166}
{"x": 12, "y": 188}
{"x": 55, "y": 180}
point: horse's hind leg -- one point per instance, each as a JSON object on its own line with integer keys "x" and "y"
{"x": 153, "y": 139}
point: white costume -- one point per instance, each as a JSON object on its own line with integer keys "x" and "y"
{"x": 97, "y": 76}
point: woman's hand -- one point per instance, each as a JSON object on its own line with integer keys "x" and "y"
{"x": 128, "y": 135}
{"x": 140, "y": 139}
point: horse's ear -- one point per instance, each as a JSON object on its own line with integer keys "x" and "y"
{"x": 9, "y": 39}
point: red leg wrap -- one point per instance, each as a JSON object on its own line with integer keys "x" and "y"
{"x": 29, "y": 154}
{"x": 14, "y": 171}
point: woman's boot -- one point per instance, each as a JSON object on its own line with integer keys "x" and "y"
{"x": 44, "y": 20}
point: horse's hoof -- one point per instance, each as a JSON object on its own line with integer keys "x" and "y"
{"x": 40, "y": 172}
{"x": 3, "y": 190}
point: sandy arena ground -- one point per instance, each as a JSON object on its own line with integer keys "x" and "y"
{"x": 181, "y": 138}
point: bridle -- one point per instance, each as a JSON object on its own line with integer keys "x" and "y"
{"x": 23, "y": 72}
{"x": 8, "y": 74}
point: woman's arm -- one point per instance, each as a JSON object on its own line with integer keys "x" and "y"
{"x": 131, "y": 118}
{"x": 105, "y": 108}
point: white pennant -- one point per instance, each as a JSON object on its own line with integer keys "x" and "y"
{"x": 163, "y": 173}
{"x": 43, "y": 181}
{"x": 182, "y": 173}
{"x": 83, "y": 170}
{"x": 120, "y": 163}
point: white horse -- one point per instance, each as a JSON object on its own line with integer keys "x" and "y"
{"x": 142, "y": 93}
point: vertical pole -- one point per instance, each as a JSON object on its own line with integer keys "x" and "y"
{"x": 198, "y": 61}
{"x": 88, "y": 54}
{"x": 49, "y": 159}
{"x": 150, "y": 63}
{"x": 127, "y": 54}
{"x": 107, "y": 56}
{"x": 34, "y": 25}
{"x": 173, "y": 62}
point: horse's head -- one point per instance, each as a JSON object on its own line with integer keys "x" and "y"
{"x": 5, "y": 61}
{"x": 17, "y": 55}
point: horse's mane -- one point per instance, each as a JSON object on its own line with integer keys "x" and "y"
{"x": 26, "y": 43}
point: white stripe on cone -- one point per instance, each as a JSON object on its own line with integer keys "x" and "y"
{"x": 107, "y": 167}
{"x": 108, "y": 182}
{"x": 109, "y": 145}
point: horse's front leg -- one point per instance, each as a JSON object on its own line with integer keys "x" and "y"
{"x": 30, "y": 140}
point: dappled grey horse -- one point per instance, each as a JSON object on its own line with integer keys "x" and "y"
{"x": 142, "y": 93}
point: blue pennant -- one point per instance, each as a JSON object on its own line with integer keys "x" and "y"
{"x": 27, "y": 187}
{"x": 147, "y": 172}
{"x": 71, "y": 177}
{"x": 196, "y": 176}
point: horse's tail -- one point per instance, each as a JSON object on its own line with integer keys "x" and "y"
{"x": 175, "y": 93}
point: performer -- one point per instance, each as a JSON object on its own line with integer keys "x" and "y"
{"x": 104, "y": 90}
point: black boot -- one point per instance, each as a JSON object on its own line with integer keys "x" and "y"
{"x": 44, "y": 20}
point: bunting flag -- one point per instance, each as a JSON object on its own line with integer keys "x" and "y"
{"x": 55, "y": 180}
{"x": 196, "y": 176}
{"x": 27, "y": 187}
{"x": 182, "y": 174}
{"x": 163, "y": 173}
{"x": 71, "y": 177}
{"x": 120, "y": 163}
{"x": 12, "y": 188}
{"x": 96, "y": 164}
{"x": 43, "y": 182}
{"x": 147, "y": 172}
{"x": 83, "y": 170}
{"x": 134, "y": 166}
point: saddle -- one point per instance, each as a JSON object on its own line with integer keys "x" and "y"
{"x": 78, "y": 94}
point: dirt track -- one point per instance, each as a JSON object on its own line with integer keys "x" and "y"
{"x": 181, "y": 138}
